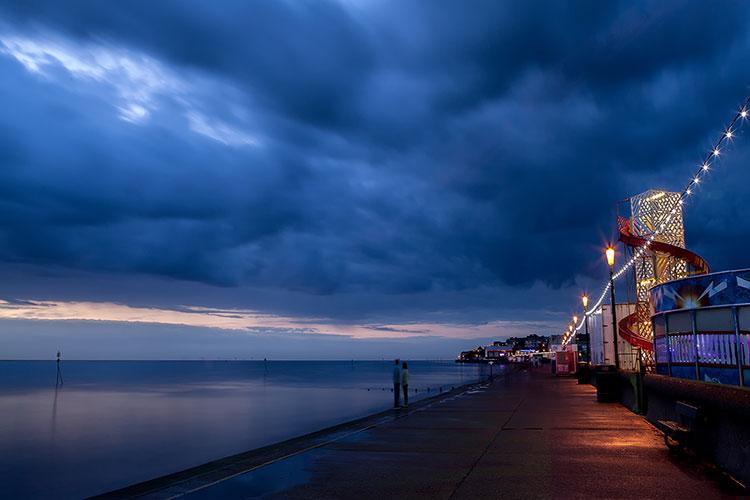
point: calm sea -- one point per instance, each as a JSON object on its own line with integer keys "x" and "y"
{"x": 114, "y": 423}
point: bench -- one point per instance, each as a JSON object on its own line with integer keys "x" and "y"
{"x": 680, "y": 433}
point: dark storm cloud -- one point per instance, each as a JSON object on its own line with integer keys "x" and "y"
{"x": 379, "y": 148}
{"x": 305, "y": 58}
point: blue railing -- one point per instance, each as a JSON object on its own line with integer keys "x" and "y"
{"x": 702, "y": 328}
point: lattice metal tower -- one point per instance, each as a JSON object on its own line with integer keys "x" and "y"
{"x": 649, "y": 211}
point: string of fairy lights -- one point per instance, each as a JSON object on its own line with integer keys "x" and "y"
{"x": 730, "y": 131}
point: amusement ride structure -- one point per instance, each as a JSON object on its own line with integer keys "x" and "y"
{"x": 665, "y": 259}
{"x": 654, "y": 236}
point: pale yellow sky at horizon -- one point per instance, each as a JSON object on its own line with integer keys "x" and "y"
{"x": 244, "y": 319}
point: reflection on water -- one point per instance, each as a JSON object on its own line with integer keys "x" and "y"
{"x": 115, "y": 423}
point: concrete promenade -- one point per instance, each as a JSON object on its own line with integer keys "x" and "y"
{"x": 529, "y": 435}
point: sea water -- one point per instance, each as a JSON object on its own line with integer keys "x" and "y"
{"x": 114, "y": 423}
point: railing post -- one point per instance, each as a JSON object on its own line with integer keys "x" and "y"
{"x": 641, "y": 373}
{"x": 695, "y": 345}
{"x": 737, "y": 350}
{"x": 669, "y": 344}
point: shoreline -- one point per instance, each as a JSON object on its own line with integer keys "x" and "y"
{"x": 207, "y": 474}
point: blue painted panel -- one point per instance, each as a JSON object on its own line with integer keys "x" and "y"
{"x": 720, "y": 375}
{"x": 728, "y": 288}
{"x": 683, "y": 372}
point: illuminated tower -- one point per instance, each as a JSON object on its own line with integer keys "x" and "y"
{"x": 656, "y": 225}
{"x": 649, "y": 211}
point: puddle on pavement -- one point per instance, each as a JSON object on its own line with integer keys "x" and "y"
{"x": 266, "y": 480}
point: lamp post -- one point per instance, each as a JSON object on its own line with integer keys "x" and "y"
{"x": 610, "y": 253}
{"x": 568, "y": 335}
{"x": 585, "y": 300}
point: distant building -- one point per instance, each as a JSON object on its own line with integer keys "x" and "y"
{"x": 497, "y": 350}
{"x": 531, "y": 342}
{"x": 556, "y": 343}
{"x": 505, "y": 349}
{"x": 476, "y": 354}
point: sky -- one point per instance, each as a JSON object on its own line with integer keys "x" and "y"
{"x": 345, "y": 179}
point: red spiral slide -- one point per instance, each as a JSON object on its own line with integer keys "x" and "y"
{"x": 696, "y": 265}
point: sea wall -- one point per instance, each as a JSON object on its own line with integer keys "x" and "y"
{"x": 724, "y": 427}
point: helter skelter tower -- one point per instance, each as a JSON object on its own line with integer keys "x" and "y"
{"x": 666, "y": 258}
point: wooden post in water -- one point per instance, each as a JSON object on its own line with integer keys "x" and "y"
{"x": 59, "y": 380}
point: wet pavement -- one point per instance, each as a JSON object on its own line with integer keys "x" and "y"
{"x": 529, "y": 435}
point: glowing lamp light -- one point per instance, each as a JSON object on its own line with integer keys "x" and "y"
{"x": 610, "y": 253}
{"x": 575, "y": 319}
{"x": 728, "y": 134}
{"x": 696, "y": 180}
{"x": 716, "y": 152}
{"x": 743, "y": 113}
{"x": 585, "y": 300}
{"x": 704, "y": 166}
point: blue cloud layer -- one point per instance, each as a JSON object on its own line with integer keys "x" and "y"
{"x": 344, "y": 149}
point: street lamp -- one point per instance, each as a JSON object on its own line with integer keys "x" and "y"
{"x": 585, "y": 300}
{"x": 610, "y": 253}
